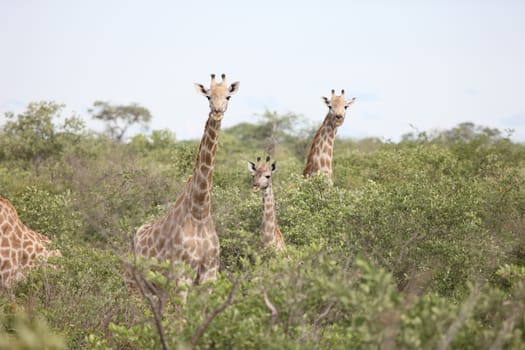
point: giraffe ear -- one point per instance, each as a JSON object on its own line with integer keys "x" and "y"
{"x": 349, "y": 102}
{"x": 201, "y": 89}
{"x": 274, "y": 166}
{"x": 326, "y": 100}
{"x": 251, "y": 167}
{"x": 234, "y": 87}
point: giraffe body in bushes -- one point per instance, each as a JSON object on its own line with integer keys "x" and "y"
{"x": 186, "y": 233}
{"x": 271, "y": 235}
{"x": 319, "y": 159}
{"x": 21, "y": 248}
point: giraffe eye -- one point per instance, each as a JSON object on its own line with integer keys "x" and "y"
{"x": 267, "y": 176}
{"x": 346, "y": 107}
{"x": 208, "y": 97}
{"x": 228, "y": 97}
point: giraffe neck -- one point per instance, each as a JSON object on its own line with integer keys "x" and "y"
{"x": 269, "y": 224}
{"x": 199, "y": 191}
{"x": 320, "y": 156}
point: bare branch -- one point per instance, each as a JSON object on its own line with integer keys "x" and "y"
{"x": 146, "y": 288}
{"x": 207, "y": 321}
{"x": 273, "y": 310}
{"x": 319, "y": 318}
{"x": 464, "y": 313}
{"x": 155, "y": 295}
{"x": 506, "y": 328}
{"x": 323, "y": 314}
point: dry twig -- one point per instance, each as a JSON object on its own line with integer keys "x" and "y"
{"x": 214, "y": 313}
{"x": 273, "y": 310}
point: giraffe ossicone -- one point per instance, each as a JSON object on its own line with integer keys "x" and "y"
{"x": 319, "y": 159}
{"x": 186, "y": 234}
{"x": 21, "y": 248}
{"x": 261, "y": 172}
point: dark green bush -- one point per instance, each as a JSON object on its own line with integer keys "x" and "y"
{"x": 417, "y": 244}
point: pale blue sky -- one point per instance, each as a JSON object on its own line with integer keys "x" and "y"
{"x": 431, "y": 64}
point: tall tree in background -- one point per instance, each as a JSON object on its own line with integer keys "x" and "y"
{"x": 36, "y": 134}
{"x": 119, "y": 118}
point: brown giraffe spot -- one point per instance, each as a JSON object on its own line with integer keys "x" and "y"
{"x": 209, "y": 145}
{"x": 190, "y": 245}
{"x": 18, "y": 232}
{"x": 212, "y": 134}
{"x": 6, "y": 264}
{"x": 5, "y": 242}
{"x": 177, "y": 253}
{"x": 17, "y": 244}
{"x": 168, "y": 226}
{"x": 207, "y": 158}
{"x": 205, "y": 170}
{"x": 24, "y": 260}
{"x": 160, "y": 245}
{"x": 156, "y": 233}
{"x": 203, "y": 186}
{"x": 178, "y": 239}
{"x": 6, "y": 228}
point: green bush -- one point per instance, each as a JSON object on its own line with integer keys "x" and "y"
{"x": 80, "y": 294}
{"x": 417, "y": 244}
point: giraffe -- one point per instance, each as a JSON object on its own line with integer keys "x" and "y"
{"x": 271, "y": 236}
{"x": 186, "y": 233}
{"x": 21, "y": 248}
{"x": 320, "y": 157}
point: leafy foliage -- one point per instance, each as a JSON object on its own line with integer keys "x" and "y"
{"x": 419, "y": 244}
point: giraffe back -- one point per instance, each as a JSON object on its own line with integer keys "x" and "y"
{"x": 20, "y": 247}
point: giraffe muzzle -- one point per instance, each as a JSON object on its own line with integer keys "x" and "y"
{"x": 217, "y": 115}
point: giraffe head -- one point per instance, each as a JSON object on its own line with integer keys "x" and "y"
{"x": 337, "y": 106}
{"x": 218, "y": 94}
{"x": 261, "y": 173}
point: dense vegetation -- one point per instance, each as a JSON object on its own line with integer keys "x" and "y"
{"x": 418, "y": 244}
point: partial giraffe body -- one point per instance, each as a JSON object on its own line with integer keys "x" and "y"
{"x": 21, "y": 248}
{"x": 271, "y": 235}
{"x": 319, "y": 159}
{"x": 186, "y": 233}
